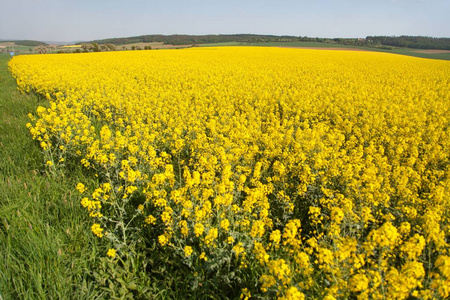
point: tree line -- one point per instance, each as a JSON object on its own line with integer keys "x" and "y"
{"x": 387, "y": 42}
{"x": 384, "y": 42}
{"x": 420, "y": 42}
{"x": 182, "y": 39}
{"x": 28, "y": 43}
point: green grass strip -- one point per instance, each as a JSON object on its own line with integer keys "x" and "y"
{"x": 46, "y": 248}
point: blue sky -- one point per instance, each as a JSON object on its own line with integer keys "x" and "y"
{"x": 64, "y": 20}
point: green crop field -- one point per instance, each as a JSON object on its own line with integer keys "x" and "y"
{"x": 223, "y": 44}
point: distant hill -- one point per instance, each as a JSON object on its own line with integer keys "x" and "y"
{"x": 62, "y": 43}
{"x": 28, "y": 43}
{"x": 182, "y": 39}
{"x": 419, "y": 42}
{"x": 385, "y": 42}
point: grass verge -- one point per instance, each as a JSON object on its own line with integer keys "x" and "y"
{"x": 46, "y": 248}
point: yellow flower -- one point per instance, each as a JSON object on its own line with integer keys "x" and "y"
{"x": 188, "y": 251}
{"x": 203, "y": 256}
{"x": 230, "y": 240}
{"x": 97, "y": 230}
{"x": 293, "y": 294}
{"x": 198, "y": 229}
{"x": 337, "y": 215}
{"x": 359, "y": 283}
{"x": 443, "y": 264}
{"x": 211, "y": 236}
{"x": 257, "y": 229}
{"x": 267, "y": 281}
{"x": 245, "y": 294}
{"x": 162, "y": 239}
{"x": 111, "y": 253}
{"x": 183, "y": 227}
{"x": 150, "y": 220}
{"x": 225, "y": 224}
{"x": 238, "y": 249}
{"x": 81, "y": 188}
{"x": 275, "y": 236}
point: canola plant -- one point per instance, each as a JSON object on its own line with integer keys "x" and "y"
{"x": 323, "y": 174}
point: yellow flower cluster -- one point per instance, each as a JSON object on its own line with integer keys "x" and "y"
{"x": 111, "y": 253}
{"x": 326, "y": 172}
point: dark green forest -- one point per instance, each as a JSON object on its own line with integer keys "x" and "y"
{"x": 419, "y": 42}
{"x": 182, "y": 39}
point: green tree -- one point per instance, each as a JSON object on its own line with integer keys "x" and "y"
{"x": 86, "y": 47}
{"x": 41, "y": 49}
{"x": 95, "y": 47}
{"x": 111, "y": 47}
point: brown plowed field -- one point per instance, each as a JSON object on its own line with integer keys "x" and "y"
{"x": 328, "y": 48}
{"x": 432, "y": 51}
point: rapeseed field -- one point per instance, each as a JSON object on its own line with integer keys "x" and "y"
{"x": 278, "y": 173}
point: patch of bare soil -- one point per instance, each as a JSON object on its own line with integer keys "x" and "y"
{"x": 328, "y": 48}
{"x": 432, "y": 51}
